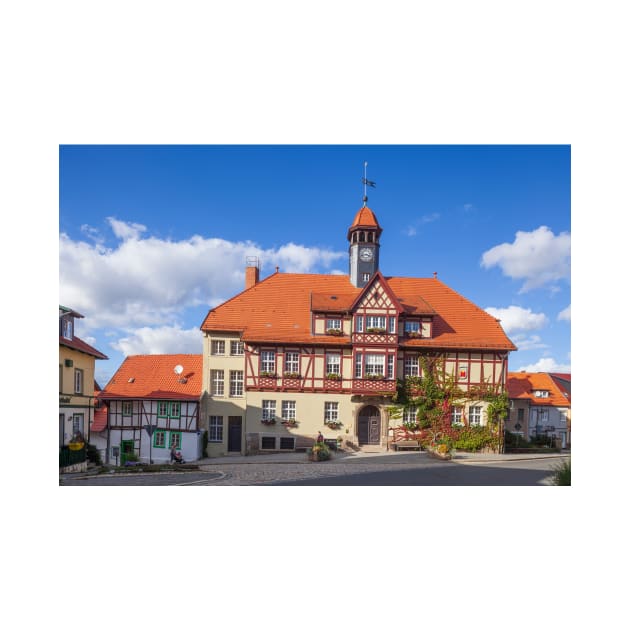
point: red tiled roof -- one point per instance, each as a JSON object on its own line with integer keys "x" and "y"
{"x": 152, "y": 376}
{"x": 100, "y": 419}
{"x": 365, "y": 218}
{"x": 278, "y": 309}
{"x": 335, "y": 302}
{"x": 522, "y": 385}
{"x": 81, "y": 346}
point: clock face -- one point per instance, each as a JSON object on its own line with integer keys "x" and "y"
{"x": 365, "y": 254}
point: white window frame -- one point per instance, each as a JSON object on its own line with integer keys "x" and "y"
{"x": 292, "y": 362}
{"x": 236, "y": 384}
{"x": 390, "y": 366}
{"x": 334, "y": 323}
{"x": 366, "y": 277}
{"x": 215, "y": 429}
{"x": 268, "y": 361}
{"x": 333, "y": 364}
{"x": 217, "y": 347}
{"x": 375, "y": 321}
{"x": 331, "y": 412}
{"x": 457, "y": 415}
{"x": 236, "y": 348}
{"x": 217, "y": 382}
{"x": 411, "y": 326}
{"x": 359, "y": 323}
{"x": 66, "y": 327}
{"x": 411, "y": 366}
{"x": 268, "y": 409}
{"x": 78, "y": 381}
{"x": 392, "y": 325}
{"x": 410, "y": 415}
{"x": 358, "y": 365}
{"x": 375, "y": 364}
{"x": 474, "y": 415}
{"x": 288, "y": 410}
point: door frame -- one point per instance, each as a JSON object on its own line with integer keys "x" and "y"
{"x": 360, "y": 416}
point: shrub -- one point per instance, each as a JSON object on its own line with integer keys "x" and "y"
{"x": 93, "y": 456}
{"x": 321, "y": 451}
{"x": 562, "y": 474}
{"x": 475, "y": 438}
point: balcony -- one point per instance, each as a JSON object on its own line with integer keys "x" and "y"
{"x": 375, "y": 338}
{"x": 373, "y": 386}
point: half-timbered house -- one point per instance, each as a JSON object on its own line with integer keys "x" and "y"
{"x": 294, "y": 354}
{"x": 152, "y": 404}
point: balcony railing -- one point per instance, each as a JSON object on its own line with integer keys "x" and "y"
{"x": 380, "y": 338}
{"x": 368, "y": 385}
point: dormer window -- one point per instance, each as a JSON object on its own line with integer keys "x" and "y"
{"x": 334, "y": 324}
{"x": 66, "y": 327}
{"x": 541, "y": 393}
{"x": 412, "y": 326}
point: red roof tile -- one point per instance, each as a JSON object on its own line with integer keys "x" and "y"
{"x": 365, "y": 218}
{"x": 278, "y": 309}
{"x": 152, "y": 376}
{"x": 523, "y": 384}
{"x": 100, "y": 420}
{"x": 81, "y": 346}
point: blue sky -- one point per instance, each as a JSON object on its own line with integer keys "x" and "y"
{"x": 152, "y": 236}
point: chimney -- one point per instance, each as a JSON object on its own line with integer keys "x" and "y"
{"x": 252, "y": 272}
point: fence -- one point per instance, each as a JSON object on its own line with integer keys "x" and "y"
{"x": 68, "y": 457}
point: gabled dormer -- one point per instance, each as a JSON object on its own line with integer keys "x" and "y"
{"x": 66, "y": 322}
{"x": 376, "y": 309}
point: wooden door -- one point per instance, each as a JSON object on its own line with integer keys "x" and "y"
{"x": 235, "y": 424}
{"x": 369, "y": 427}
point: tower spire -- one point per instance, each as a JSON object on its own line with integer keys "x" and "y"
{"x": 366, "y": 183}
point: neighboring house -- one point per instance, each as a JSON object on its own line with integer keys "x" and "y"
{"x": 538, "y": 406}
{"x": 295, "y": 354}
{"x": 160, "y": 392}
{"x": 76, "y": 379}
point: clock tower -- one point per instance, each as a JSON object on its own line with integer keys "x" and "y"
{"x": 363, "y": 236}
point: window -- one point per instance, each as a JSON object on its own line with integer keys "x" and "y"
{"x": 78, "y": 381}
{"x": 287, "y": 443}
{"x": 411, "y": 366}
{"x": 412, "y": 327}
{"x": 162, "y": 410}
{"x": 521, "y": 415}
{"x": 358, "y": 365}
{"x": 366, "y": 277}
{"x": 268, "y": 361}
{"x": 267, "y": 443}
{"x": 236, "y": 348}
{"x": 175, "y": 410}
{"x": 462, "y": 372}
{"x": 288, "y": 409}
{"x": 268, "y": 409}
{"x": 333, "y": 364}
{"x": 215, "y": 429}
{"x": 66, "y": 327}
{"x": 410, "y": 416}
{"x": 217, "y": 385}
{"x": 474, "y": 414}
{"x": 359, "y": 323}
{"x": 541, "y": 393}
{"x": 331, "y": 412}
{"x": 159, "y": 439}
{"x": 390, "y": 366}
{"x": 375, "y": 321}
{"x": 127, "y": 408}
{"x": 236, "y": 383}
{"x": 392, "y": 325}
{"x": 333, "y": 323}
{"x": 217, "y": 346}
{"x": 176, "y": 440}
{"x": 77, "y": 423}
{"x": 375, "y": 364}
{"x": 457, "y": 414}
{"x": 292, "y": 362}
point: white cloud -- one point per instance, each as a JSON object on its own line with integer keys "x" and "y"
{"x": 539, "y": 257}
{"x": 518, "y": 318}
{"x": 160, "y": 340}
{"x": 147, "y": 281}
{"x": 546, "y": 364}
{"x": 411, "y": 231}
{"x": 528, "y": 342}
{"x": 565, "y": 315}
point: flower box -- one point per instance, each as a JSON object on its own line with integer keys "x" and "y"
{"x": 333, "y": 425}
{"x": 291, "y": 375}
{"x": 271, "y": 421}
{"x": 268, "y": 374}
{"x": 333, "y": 376}
{"x": 378, "y": 331}
{"x": 335, "y": 332}
{"x": 289, "y": 423}
{"x": 375, "y": 377}
{"x": 412, "y": 334}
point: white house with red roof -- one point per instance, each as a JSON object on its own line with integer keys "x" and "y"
{"x": 152, "y": 406}
{"x": 540, "y": 404}
{"x": 295, "y": 354}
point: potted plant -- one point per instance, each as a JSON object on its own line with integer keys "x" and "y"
{"x": 374, "y": 329}
{"x": 333, "y": 376}
{"x": 268, "y": 421}
{"x": 319, "y": 452}
{"x": 336, "y": 332}
{"x": 414, "y": 334}
{"x": 333, "y": 424}
{"x": 291, "y": 375}
{"x": 289, "y": 423}
{"x": 268, "y": 374}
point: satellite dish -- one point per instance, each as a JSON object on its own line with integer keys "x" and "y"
{"x": 178, "y": 369}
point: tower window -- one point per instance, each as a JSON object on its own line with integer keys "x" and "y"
{"x": 354, "y": 237}
{"x": 370, "y": 237}
{"x": 361, "y": 237}
{"x": 366, "y": 277}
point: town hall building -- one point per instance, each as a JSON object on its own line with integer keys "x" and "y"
{"x": 295, "y": 354}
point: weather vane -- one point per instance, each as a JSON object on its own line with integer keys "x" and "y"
{"x": 366, "y": 183}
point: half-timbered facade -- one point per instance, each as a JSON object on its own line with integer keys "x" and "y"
{"x": 152, "y": 405}
{"x": 295, "y": 354}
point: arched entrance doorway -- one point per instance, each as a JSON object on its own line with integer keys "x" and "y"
{"x": 369, "y": 426}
